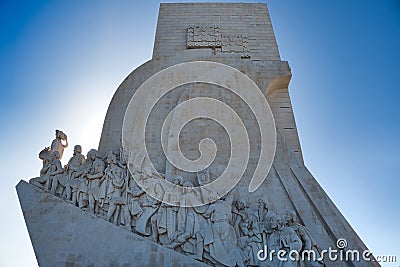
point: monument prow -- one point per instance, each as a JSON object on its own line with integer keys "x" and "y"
{"x": 64, "y": 235}
{"x": 199, "y": 161}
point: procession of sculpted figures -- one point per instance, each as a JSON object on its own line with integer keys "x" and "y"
{"x": 227, "y": 232}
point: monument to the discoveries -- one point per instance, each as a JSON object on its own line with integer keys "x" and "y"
{"x": 199, "y": 161}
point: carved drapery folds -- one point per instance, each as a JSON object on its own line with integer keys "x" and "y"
{"x": 226, "y": 232}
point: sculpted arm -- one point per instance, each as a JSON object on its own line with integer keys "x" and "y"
{"x": 209, "y": 211}
{"x": 66, "y": 142}
{"x": 137, "y": 192}
{"x": 200, "y": 209}
{"x": 59, "y": 169}
{"x": 99, "y": 173}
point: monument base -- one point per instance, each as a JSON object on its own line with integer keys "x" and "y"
{"x": 64, "y": 235}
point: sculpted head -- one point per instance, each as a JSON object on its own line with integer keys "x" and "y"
{"x": 187, "y": 187}
{"x": 92, "y": 154}
{"x": 275, "y": 221}
{"x": 213, "y": 196}
{"x": 111, "y": 158}
{"x": 61, "y": 135}
{"x": 262, "y": 204}
{"x": 45, "y": 153}
{"x": 290, "y": 216}
{"x": 77, "y": 149}
{"x": 247, "y": 223}
{"x": 240, "y": 204}
{"x": 178, "y": 180}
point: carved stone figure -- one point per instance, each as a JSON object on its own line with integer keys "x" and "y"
{"x": 149, "y": 204}
{"x": 239, "y": 214}
{"x": 40, "y": 181}
{"x": 259, "y": 217}
{"x": 44, "y": 155}
{"x": 82, "y": 194}
{"x": 223, "y": 233}
{"x": 132, "y": 207}
{"x": 94, "y": 175}
{"x": 251, "y": 242}
{"x": 68, "y": 178}
{"x": 50, "y": 170}
{"x": 164, "y": 223}
{"x": 262, "y": 211}
{"x": 203, "y": 177}
{"x": 189, "y": 222}
{"x": 74, "y": 169}
{"x": 282, "y": 238}
{"x": 58, "y": 183}
{"x": 57, "y": 143}
{"x": 218, "y": 238}
{"x": 115, "y": 178}
{"x": 305, "y": 236}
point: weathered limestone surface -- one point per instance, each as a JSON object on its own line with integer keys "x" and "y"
{"x": 64, "y": 235}
{"x": 289, "y": 184}
{"x": 250, "y": 19}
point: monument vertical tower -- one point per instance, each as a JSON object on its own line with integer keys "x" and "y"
{"x": 227, "y": 52}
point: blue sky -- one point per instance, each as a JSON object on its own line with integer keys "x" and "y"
{"x": 61, "y": 62}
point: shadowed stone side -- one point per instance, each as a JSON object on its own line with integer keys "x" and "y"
{"x": 64, "y": 235}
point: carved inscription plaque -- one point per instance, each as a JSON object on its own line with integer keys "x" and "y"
{"x": 211, "y": 36}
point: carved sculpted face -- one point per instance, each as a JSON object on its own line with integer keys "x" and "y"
{"x": 261, "y": 204}
{"x": 91, "y": 155}
{"x": 77, "y": 149}
{"x": 289, "y": 216}
{"x": 178, "y": 180}
{"x": 275, "y": 221}
{"x": 240, "y": 205}
{"x": 187, "y": 187}
{"x": 111, "y": 159}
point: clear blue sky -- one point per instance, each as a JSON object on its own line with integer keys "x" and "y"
{"x": 61, "y": 62}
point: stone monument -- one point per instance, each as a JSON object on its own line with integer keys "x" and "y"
{"x": 199, "y": 161}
